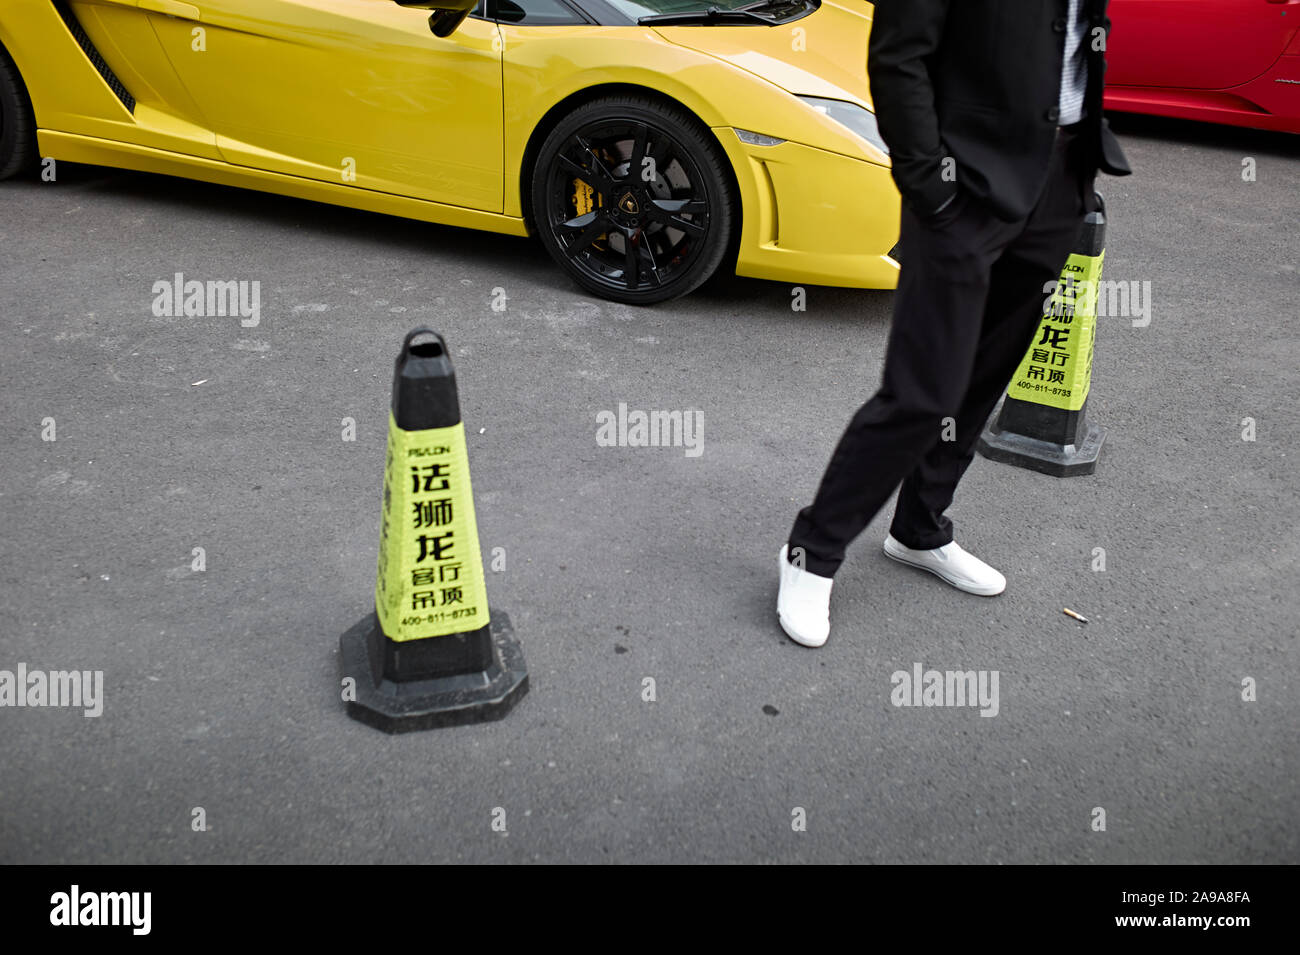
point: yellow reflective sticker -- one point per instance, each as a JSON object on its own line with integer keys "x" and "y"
{"x": 1057, "y": 369}
{"x": 430, "y": 580}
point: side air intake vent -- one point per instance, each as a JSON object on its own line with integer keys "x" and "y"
{"x": 92, "y": 54}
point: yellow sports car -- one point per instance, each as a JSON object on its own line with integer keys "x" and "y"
{"x": 645, "y": 142}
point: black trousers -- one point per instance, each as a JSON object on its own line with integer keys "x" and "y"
{"x": 971, "y": 294}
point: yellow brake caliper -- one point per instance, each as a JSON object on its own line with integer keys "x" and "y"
{"x": 582, "y": 201}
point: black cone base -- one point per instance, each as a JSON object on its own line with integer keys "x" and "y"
{"x": 443, "y": 701}
{"x": 1044, "y": 456}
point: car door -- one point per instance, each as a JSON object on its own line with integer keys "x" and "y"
{"x": 348, "y": 91}
{"x": 1197, "y": 44}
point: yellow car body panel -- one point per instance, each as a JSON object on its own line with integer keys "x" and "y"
{"x": 99, "y": 152}
{"x": 356, "y": 103}
{"x": 813, "y": 216}
{"x": 68, "y": 95}
{"x": 422, "y": 118}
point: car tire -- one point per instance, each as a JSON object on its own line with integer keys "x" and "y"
{"x": 18, "y": 152}
{"x": 637, "y": 239}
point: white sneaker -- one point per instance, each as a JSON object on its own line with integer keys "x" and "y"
{"x": 803, "y": 604}
{"x": 952, "y": 564}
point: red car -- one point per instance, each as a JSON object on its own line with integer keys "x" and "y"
{"x": 1221, "y": 61}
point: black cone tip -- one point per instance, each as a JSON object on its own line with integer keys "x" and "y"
{"x": 424, "y": 384}
{"x": 1092, "y": 234}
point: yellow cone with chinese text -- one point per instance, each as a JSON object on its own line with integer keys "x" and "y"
{"x": 1042, "y": 422}
{"x": 431, "y": 654}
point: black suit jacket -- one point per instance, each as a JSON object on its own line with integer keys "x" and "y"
{"x": 979, "y": 81}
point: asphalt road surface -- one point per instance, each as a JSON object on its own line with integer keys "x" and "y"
{"x": 221, "y": 687}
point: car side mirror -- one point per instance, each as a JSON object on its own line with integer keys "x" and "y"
{"x": 447, "y": 15}
{"x": 509, "y": 12}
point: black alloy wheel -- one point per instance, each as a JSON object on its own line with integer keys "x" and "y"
{"x": 633, "y": 199}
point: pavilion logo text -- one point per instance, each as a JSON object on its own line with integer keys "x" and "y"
{"x": 190, "y": 298}
{"x": 74, "y": 688}
{"x": 75, "y": 907}
{"x": 924, "y": 687}
{"x": 652, "y": 429}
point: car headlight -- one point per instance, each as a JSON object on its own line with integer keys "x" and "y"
{"x": 853, "y": 117}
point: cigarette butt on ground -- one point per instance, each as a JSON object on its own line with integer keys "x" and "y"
{"x": 1077, "y": 616}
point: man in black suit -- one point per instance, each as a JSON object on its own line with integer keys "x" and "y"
{"x": 992, "y": 110}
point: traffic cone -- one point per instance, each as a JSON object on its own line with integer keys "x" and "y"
{"x": 1041, "y": 423}
{"x": 431, "y": 654}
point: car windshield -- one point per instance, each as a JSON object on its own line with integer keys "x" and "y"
{"x": 649, "y": 8}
